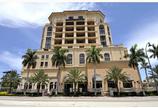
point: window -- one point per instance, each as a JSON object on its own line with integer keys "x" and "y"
{"x": 70, "y": 17}
{"x": 106, "y": 57}
{"x": 127, "y": 84}
{"x": 69, "y": 59}
{"x": 111, "y": 84}
{"x": 47, "y": 56}
{"x": 42, "y": 57}
{"x": 41, "y": 64}
{"x": 82, "y": 58}
{"x": 46, "y": 64}
{"x": 48, "y": 43}
{"x": 55, "y": 85}
{"x": 49, "y": 31}
{"x": 101, "y": 29}
{"x": 80, "y": 17}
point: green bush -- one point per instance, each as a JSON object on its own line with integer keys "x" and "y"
{"x": 6, "y": 94}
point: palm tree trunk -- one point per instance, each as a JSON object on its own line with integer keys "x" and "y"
{"x": 140, "y": 80}
{"x": 117, "y": 87}
{"x": 75, "y": 89}
{"x": 95, "y": 92}
{"x": 27, "y": 81}
{"x": 58, "y": 81}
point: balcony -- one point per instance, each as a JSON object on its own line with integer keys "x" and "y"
{"x": 91, "y": 40}
{"x": 69, "y": 35}
{"x": 80, "y": 23}
{"x": 80, "y": 40}
{"x": 57, "y": 41}
{"x": 69, "y": 29}
{"x": 91, "y": 28}
{"x": 75, "y": 19}
{"x": 90, "y": 22}
{"x": 69, "y": 23}
{"x": 59, "y": 29}
{"x": 58, "y": 35}
{"x": 69, "y": 41}
{"x": 59, "y": 24}
{"x": 91, "y": 34}
{"x": 82, "y": 34}
{"x": 80, "y": 28}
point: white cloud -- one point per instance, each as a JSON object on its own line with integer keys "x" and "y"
{"x": 144, "y": 33}
{"x": 26, "y": 13}
{"x": 13, "y": 61}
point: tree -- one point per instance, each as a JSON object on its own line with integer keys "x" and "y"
{"x": 29, "y": 60}
{"x": 115, "y": 74}
{"x": 153, "y": 51}
{"x": 75, "y": 76}
{"x": 145, "y": 66}
{"x": 59, "y": 60}
{"x": 10, "y": 80}
{"x": 135, "y": 57}
{"x": 93, "y": 56}
{"x": 40, "y": 78}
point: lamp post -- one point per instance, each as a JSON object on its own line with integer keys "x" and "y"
{"x": 147, "y": 45}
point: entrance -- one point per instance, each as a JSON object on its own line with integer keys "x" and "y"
{"x": 68, "y": 89}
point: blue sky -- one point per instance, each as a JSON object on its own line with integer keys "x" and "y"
{"x": 21, "y": 25}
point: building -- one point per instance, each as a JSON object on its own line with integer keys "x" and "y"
{"x": 77, "y": 31}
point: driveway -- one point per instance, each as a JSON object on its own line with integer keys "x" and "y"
{"x": 18, "y": 101}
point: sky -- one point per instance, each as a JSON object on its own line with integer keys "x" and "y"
{"x": 21, "y": 25}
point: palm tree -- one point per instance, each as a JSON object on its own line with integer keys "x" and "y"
{"x": 115, "y": 74}
{"x": 59, "y": 60}
{"x": 29, "y": 60}
{"x": 93, "y": 56}
{"x": 145, "y": 66}
{"x": 75, "y": 76}
{"x": 40, "y": 78}
{"x": 135, "y": 57}
{"x": 154, "y": 51}
{"x": 11, "y": 79}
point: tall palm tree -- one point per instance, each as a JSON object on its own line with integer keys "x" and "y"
{"x": 59, "y": 60}
{"x": 93, "y": 56}
{"x": 29, "y": 60}
{"x": 10, "y": 80}
{"x": 154, "y": 51}
{"x": 135, "y": 57}
{"x": 115, "y": 74}
{"x": 145, "y": 66}
{"x": 75, "y": 76}
{"x": 40, "y": 78}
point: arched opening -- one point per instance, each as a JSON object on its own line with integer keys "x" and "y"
{"x": 30, "y": 86}
{"x": 51, "y": 86}
{"x": 82, "y": 58}
{"x": 98, "y": 81}
{"x": 25, "y": 86}
{"x": 69, "y": 59}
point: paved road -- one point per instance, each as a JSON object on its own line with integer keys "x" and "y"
{"x": 6, "y": 101}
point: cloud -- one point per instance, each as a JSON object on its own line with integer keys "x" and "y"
{"x": 32, "y": 13}
{"x": 10, "y": 60}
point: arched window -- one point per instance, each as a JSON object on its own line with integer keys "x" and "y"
{"x": 25, "y": 86}
{"x": 38, "y": 86}
{"x": 49, "y": 31}
{"x": 107, "y": 57}
{"x": 102, "y": 35}
{"x": 51, "y": 86}
{"x": 69, "y": 59}
{"x": 30, "y": 86}
{"x": 82, "y": 58}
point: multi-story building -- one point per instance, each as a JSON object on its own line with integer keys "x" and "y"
{"x": 77, "y": 31}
